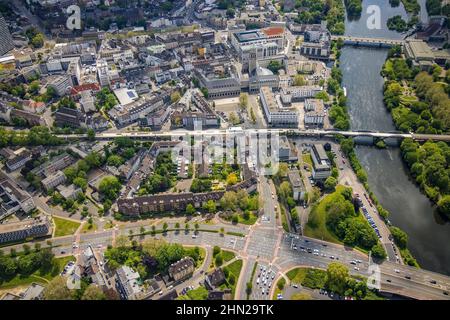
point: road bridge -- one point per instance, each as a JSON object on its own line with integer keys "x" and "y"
{"x": 369, "y": 42}
{"x": 144, "y": 135}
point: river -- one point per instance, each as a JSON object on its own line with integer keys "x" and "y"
{"x": 388, "y": 177}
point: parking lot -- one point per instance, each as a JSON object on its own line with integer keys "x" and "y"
{"x": 263, "y": 282}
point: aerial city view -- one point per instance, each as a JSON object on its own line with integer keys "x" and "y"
{"x": 224, "y": 150}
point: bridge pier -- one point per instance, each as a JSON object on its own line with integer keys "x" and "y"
{"x": 392, "y": 142}
{"x": 364, "y": 140}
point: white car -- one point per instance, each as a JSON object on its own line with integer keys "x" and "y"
{"x": 397, "y": 271}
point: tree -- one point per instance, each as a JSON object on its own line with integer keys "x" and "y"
{"x": 249, "y": 288}
{"x": 337, "y": 275}
{"x": 285, "y": 190}
{"x": 114, "y": 160}
{"x": 378, "y": 252}
{"x": 109, "y": 187}
{"x": 243, "y": 100}
{"x": 229, "y": 201}
{"x": 232, "y": 179}
{"x": 190, "y": 210}
{"x": 216, "y": 250}
{"x": 177, "y": 225}
{"x": 210, "y": 206}
{"x": 93, "y": 292}
{"x": 175, "y": 97}
{"x": 80, "y": 182}
{"x": 70, "y": 173}
{"x": 91, "y": 134}
{"x": 57, "y": 290}
{"x": 234, "y": 119}
{"x": 281, "y": 284}
{"x": 347, "y": 145}
{"x": 38, "y": 41}
{"x": 230, "y": 12}
{"x": 274, "y": 66}
{"x": 218, "y": 260}
{"x": 165, "y": 227}
{"x": 26, "y": 249}
{"x": 330, "y": 183}
{"x": 282, "y": 170}
{"x": 444, "y": 205}
{"x": 122, "y": 241}
{"x": 400, "y": 237}
{"x": 323, "y": 95}
{"x": 361, "y": 175}
{"x": 299, "y": 80}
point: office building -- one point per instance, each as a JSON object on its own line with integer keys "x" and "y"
{"x": 321, "y": 163}
{"x": 276, "y": 114}
{"x": 25, "y": 229}
{"x": 6, "y": 40}
{"x": 13, "y": 198}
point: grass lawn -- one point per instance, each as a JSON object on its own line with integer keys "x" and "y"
{"x": 227, "y": 255}
{"x": 65, "y": 227}
{"x": 89, "y": 228}
{"x": 201, "y": 256}
{"x": 297, "y": 275}
{"x": 316, "y": 226}
{"x": 235, "y": 270}
{"x": 197, "y": 294}
{"x": 39, "y": 276}
{"x": 307, "y": 159}
{"x": 108, "y": 225}
{"x": 251, "y": 219}
{"x": 284, "y": 221}
{"x": 281, "y": 283}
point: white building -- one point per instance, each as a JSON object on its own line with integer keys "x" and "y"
{"x": 275, "y": 113}
{"x": 54, "y": 180}
{"x": 102, "y": 73}
{"x": 292, "y": 94}
{"x": 61, "y": 84}
{"x": 321, "y": 162}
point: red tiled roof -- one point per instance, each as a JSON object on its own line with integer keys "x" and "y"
{"x": 85, "y": 87}
{"x": 273, "y": 31}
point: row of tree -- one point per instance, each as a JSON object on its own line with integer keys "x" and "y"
{"x": 313, "y": 12}
{"x": 429, "y": 165}
{"x": 36, "y": 136}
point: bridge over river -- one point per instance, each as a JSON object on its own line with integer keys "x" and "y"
{"x": 369, "y": 42}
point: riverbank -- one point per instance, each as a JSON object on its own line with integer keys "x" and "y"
{"x": 339, "y": 117}
{"x": 387, "y": 174}
{"x": 418, "y": 102}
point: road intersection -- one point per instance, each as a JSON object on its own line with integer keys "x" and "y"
{"x": 267, "y": 243}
